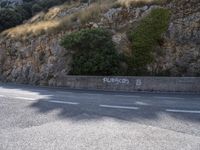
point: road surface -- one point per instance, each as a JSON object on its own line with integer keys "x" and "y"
{"x": 36, "y": 118}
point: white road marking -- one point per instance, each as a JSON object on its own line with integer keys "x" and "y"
{"x": 118, "y": 107}
{"x": 74, "y": 97}
{"x": 142, "y": 103}
{"x": 160, "y": 97}
{"x": 49, "y": 101}
{"x": 40, "y": 90}
{"x": 90, "y": 94}
{"x": 66, "y": 96}
{"x": 62, "y": 92}
{"x": 2, "y": 96}
{"x": 26, "y": 98}
{"x": 183, "y": 111}
{"x": 128, "y": 96}
{"x": 63, "y": 102}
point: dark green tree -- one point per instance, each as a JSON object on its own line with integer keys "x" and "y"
{"x": 36, "y": 8}
{"x": 9, "y": 18}
{"x": 94, "y": 52}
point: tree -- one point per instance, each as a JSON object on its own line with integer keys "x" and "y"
{"x": 95, "y": 53}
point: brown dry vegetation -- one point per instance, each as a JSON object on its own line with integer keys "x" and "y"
{"x": 49, "y": 23}
{"x": 136, "y": 3}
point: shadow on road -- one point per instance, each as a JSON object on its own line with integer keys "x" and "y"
{"x": 89, "y": 105}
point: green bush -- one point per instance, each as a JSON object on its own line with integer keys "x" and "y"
{"x": 22, "y": 12}
{"x": 36, "y": 8}
{"x": 145, "y": 38}
{"x": 9, "y": 18}
{"x": 95, "y": 53}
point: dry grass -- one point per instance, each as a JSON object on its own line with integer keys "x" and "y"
{"x": 53, "y": 12}
{"x": 30, "y": 30}
{"x": 49, "y": 23}
{"x": 128, "y": 3}
{"x": 93, "y": 12}
{"x": 25, "y": 30}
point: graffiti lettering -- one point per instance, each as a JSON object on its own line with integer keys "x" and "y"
{"x": 138, "y": 82}
{"x": 116, "y": 80}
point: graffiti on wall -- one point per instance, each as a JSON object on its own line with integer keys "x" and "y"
{"x": 116, "y": 80}
{"x": 138, "y": 82}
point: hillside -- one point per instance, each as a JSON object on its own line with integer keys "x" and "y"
{"x": 16, "y": 12}
{"x": 11, "y": 2}
{"x": 108, "y": 37}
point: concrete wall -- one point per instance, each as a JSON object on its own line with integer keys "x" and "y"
{"x": 130, "y": 84}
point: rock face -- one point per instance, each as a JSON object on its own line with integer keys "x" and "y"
{"x": 182, "y": 41}
{"x": 37, "y": 62}
{"x": 41, "y": 60}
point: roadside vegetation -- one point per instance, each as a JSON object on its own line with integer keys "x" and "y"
{"x": 137, "y": 3}
{"x": 94, "y": 52}
{"x": 54, "y": 25}
{"x": 145, "y": 38}
{"x": 11, "y": 16}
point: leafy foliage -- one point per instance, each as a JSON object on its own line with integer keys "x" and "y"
{"x": 95, "y": 52}
{"x": 8, "y": 18}
{"x": 145, "y": 38}
{"x": 12, "y": 16}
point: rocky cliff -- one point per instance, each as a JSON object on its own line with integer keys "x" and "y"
{"x": 36, "y": 57}
{"x": 182, "y": 40}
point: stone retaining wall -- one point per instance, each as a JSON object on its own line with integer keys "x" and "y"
{"x": 130, "y": 84}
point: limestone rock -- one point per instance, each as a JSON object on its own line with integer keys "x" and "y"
{"x": 40, "y": 60}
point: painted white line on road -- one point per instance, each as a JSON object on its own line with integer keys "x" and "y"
{"x": 62, "y": 92}
{"x": 63, "y": 102}
{"x": 72, "y": 97}
{"x": 90, "y": 94}
{"x": 141, "y": 103}
{"x": 128, "y": 96}
{"x": 26, "y": 98}
{"x": 40, "y": 90}
{"x": 160, "y": 97}
{"x": 118, "y": 107}
{"x": 183, "y": 111}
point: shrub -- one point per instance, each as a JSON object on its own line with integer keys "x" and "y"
{"x": 46, "y": 4}
{"x": 140, "y": 3}
{"x": 9, "y": 18}
{"x": 12, "y": 16}
{"x": 95, "y": 52}
{"x": 22, "y": 12}
{"x": 36, "y": 8}
{"x": 144, "y": 39}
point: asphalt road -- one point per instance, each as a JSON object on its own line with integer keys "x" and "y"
{"x": 35, "y": 118}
